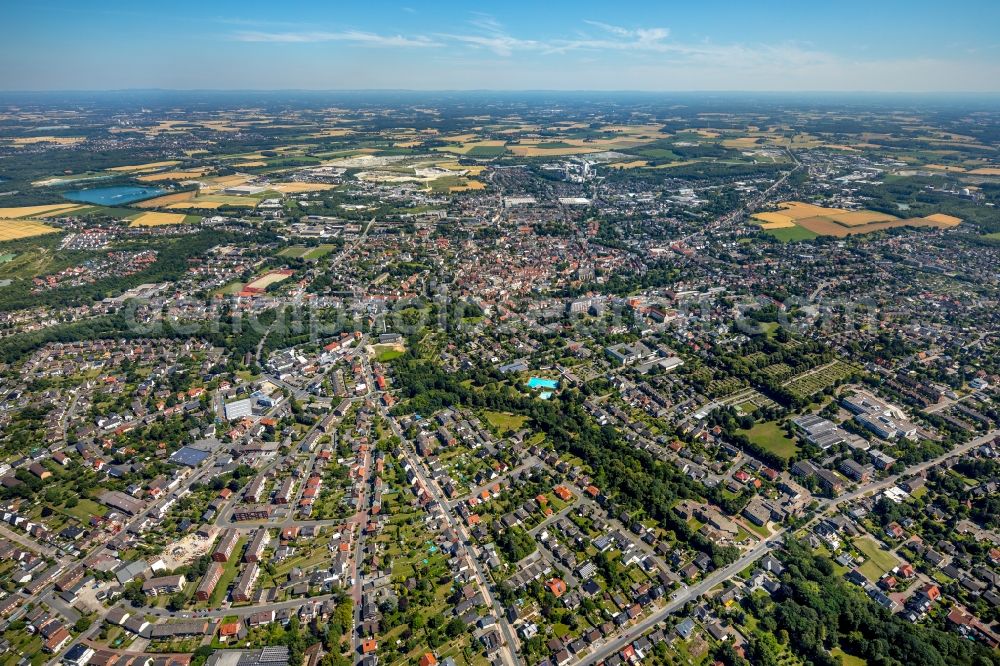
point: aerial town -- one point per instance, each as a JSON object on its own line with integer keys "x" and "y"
{"x": 336, "y": 382}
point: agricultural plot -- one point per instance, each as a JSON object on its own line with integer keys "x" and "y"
{"x": 801, "y": 221}
{"x": 813, "y": 381}
{"x": 157, "y": 219}
{"x": 172, "y": 175}
{"x": 15, "y": 229}
{"x": 150, "y": 166}
{"x": 38, "y": 211}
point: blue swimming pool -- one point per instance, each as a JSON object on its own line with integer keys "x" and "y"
{"x": 538, "y": 382}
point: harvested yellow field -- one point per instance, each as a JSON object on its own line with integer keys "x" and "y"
{"x": 798, "y": 210}
{"x": 58, "y": 140}
{"x": 145, "y": 167}
{"x": 297, "y": 188}
{"x": 165, "y": 200}
{"x": 222, "y": 182}
{"x": 773, "y": 218}
{"x": 189, "y": 205}
{"x": 857, "y": 218}
{"x": 708, "y": 134}
{"x": 629, "y": 165}
{"x": 946, "y": 220}
{"x": 741, "y": 142}
{"x": 331, "y": 132}
{"x": 249, "y": 165}
{"x": 172, "y": 175}
{"x": 157, "y": 219}
{"x": 38, "y": 211}
{"x": 471, "y": 185}
{"x": 986, "y": 171}
{"x": 473, "y": 170}
{"x": 838, "y": 146}
{"x": 14, "y": 229}
{"x": 951, "y": 168}
{"x": 465, "y": 147}
{"x": 827, "y": 227}
{"x": 784, "y": 224}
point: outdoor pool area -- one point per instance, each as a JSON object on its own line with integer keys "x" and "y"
{"x": 545, "y": 395}
{"x": 113, "y": 196}
{"x": 538, "y": 382}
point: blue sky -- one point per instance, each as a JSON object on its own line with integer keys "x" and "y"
{"x": 875, "y": 45}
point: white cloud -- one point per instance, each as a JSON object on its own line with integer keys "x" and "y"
{"x": 352, "y": 36}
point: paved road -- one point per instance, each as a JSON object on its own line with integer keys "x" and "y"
{"x": 509, "y": 653}
{"x": 715, "y": 578}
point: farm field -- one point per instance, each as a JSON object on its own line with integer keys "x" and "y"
{"x": 792, "y": 234}
{"x": 14, "y": 229}
{"x": 772, "y": 437}
{"x": 157, "y": 219}
{"x": 150, "y": 166}
{"x": 38, "y": 211}
{"x": 171, "y": 175}
{"x": 820, "y": 221}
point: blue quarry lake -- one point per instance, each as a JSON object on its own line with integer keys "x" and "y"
{"x": 113, "y": 196}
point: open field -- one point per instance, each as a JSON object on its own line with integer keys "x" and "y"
{"x": 38, "y": 211}
{"x": 166, "y": 199}
{"x": 772, "y": 437}
{"x": 634, "y": 164}
{"x": 172, "y": 175}
{"x": 145, "y": 167}
{"x": 298, "y": 188}
{"x": 58, "y": 140}
{"x": 792, "y": 234}
{"x": 469, "y": 185}
{"x": 837, "y": 222}
{"x": 505, "y": 422}
{"x": 14, "y": 229}
{"x": 207, "y": 202}
{"x": 878, "y": 561}
{"x": 266, "y": 280}
{"x": 305, "y": 252}
{"x": 156, "y": 219}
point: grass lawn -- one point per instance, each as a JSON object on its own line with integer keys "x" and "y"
{"x": 878, "y": 562}
{"x": 792, "y": 234}
{"x": 86, "y": 508}
{"x": 384, "y": 353}
{"x": 848, "y": 659}
{"x": 772, "y": 437}
{"x": 229, "y": 571}
{"x": 505, "y": 422}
